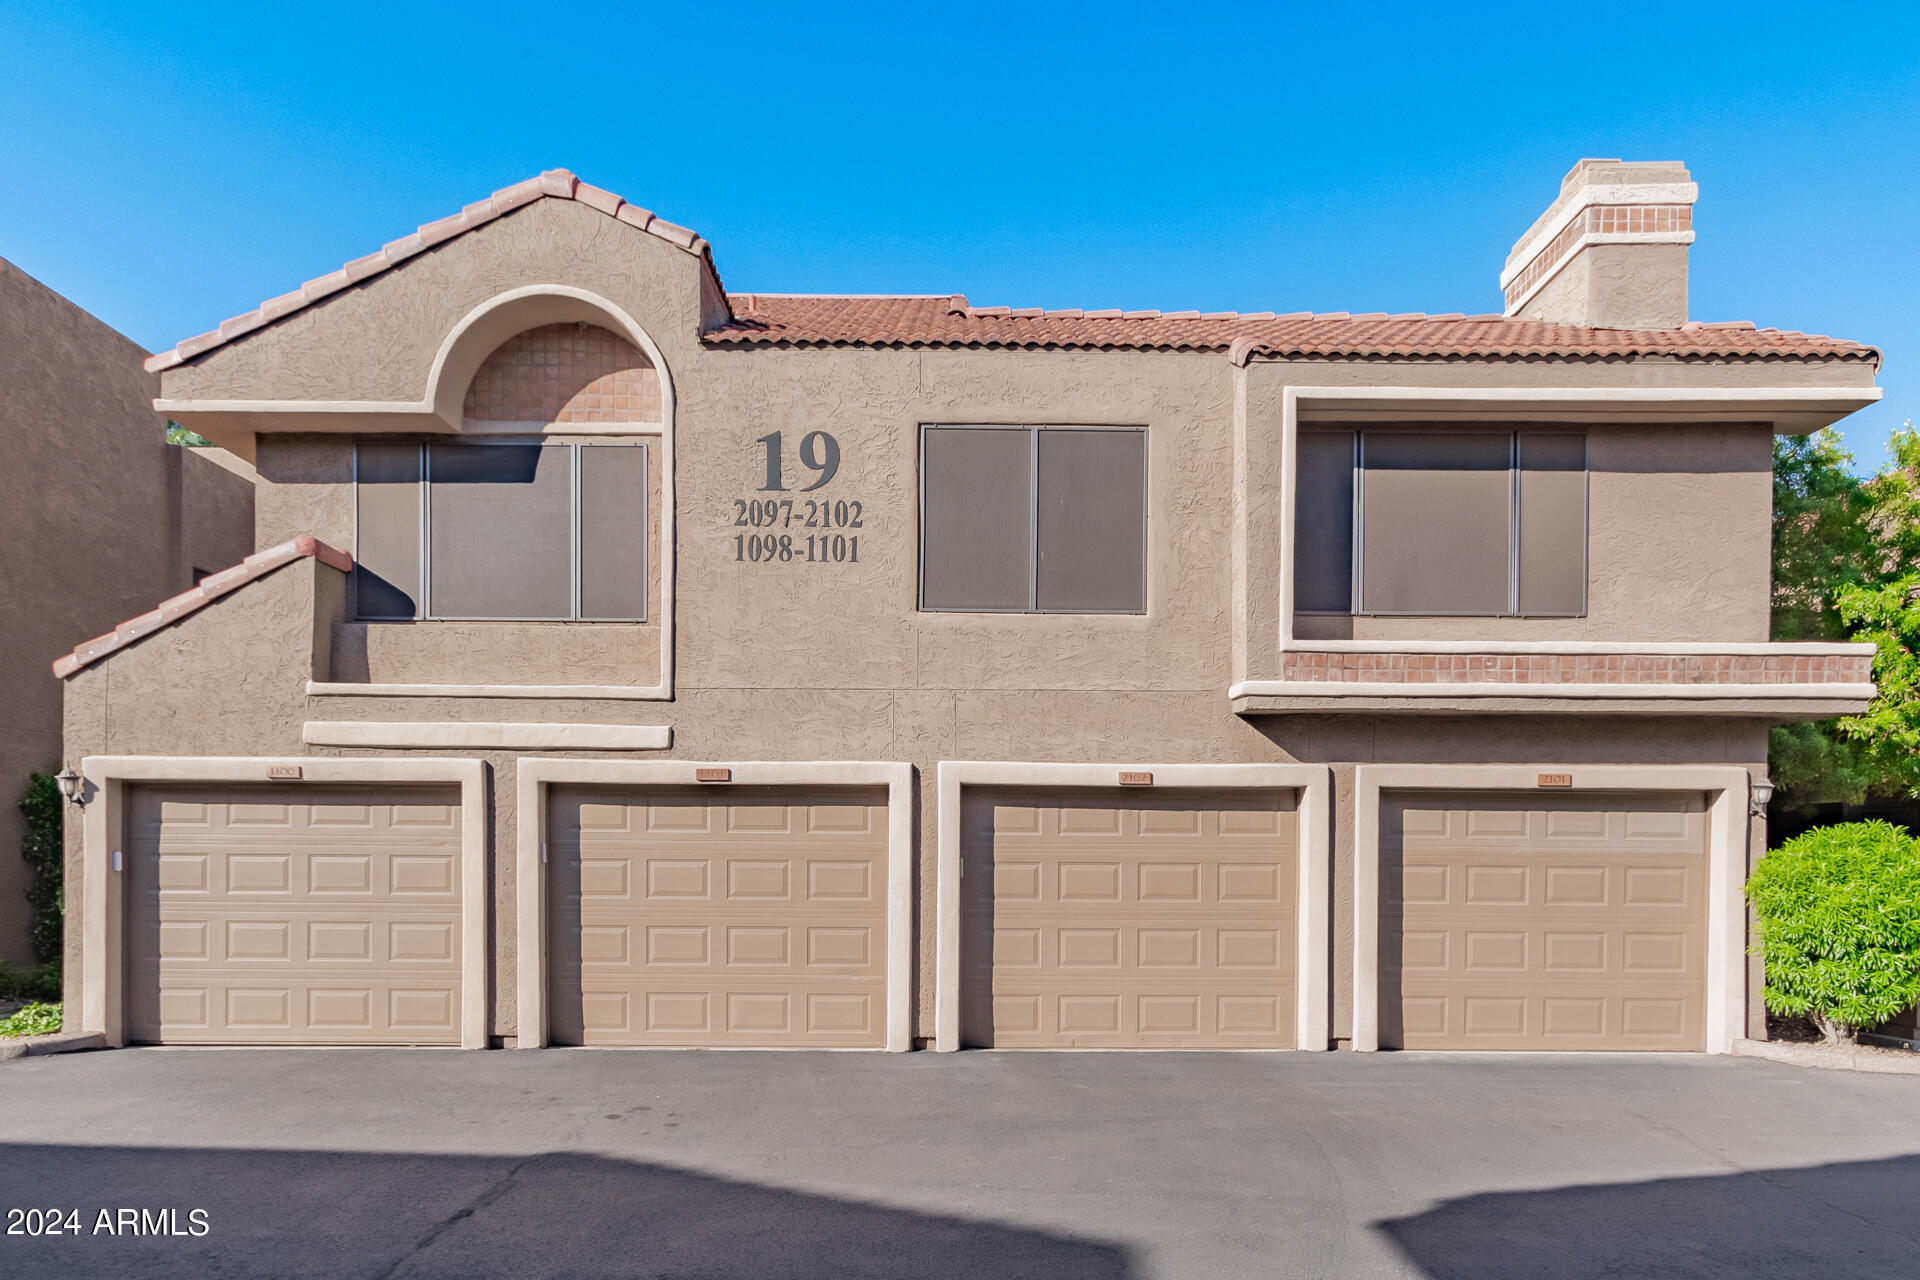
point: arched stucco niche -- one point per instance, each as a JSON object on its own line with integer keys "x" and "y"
{"x": 461, "y": 355}
{"x": 575, "y": 373}
{"x": 505, "y": 316}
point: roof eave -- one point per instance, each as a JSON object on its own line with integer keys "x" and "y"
{"x": 558, "y": 184}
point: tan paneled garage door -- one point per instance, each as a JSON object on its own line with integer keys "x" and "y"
{"x": 293, "y": 915}
{"x": 1128, "y": 919}
{"x": 1526, "y": 922}
{"x": 745, "y": 916}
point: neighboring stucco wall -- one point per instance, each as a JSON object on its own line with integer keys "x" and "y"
{"x": 101, "y": 519}
{"x": 216, "y": 511}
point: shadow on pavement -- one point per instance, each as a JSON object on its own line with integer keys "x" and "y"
{"x": 1854, "y": 1219}
{"x": 335, "y": 1214}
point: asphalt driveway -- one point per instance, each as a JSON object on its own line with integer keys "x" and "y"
{"x": 372, "y": 1163}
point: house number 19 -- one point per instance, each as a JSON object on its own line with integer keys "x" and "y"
{"x": 819, "y": 453}
{"x": 791, "y": 531}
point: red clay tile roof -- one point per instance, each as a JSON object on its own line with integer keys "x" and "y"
{"x": 767, "y": 319}
{"x": 558, "y": 184}
{"x": 943, "y": 321}
{"x": 204, "y": 593}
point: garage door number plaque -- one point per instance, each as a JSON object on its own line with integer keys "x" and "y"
{"x": 798, "y": 530}
{"x": 1554, "y": 780}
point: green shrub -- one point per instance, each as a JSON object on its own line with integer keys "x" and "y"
{"x": 1839, "y": 912}
{"x": 41, "y": 982}
{"x": 34, "y": 1020}
{"x": 45, "y": 851}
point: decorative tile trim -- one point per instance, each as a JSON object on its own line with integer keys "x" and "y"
{"x": 1582, "y": 668}
{"x": 1570, "y": 206}
{"x": 1599, "y": 220}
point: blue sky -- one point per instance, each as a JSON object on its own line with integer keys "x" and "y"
{"x": 169, "y": 166}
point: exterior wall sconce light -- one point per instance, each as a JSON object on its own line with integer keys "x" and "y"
{"x": 1758, "y": 793}
{"x": 72, "y": 786}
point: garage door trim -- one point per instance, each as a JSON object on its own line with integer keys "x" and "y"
{"x": 1313, "y": 782}
{"x": 1727, "y": 790}
{"x": 103, "y": 889}
{"x": 537, "y": 775}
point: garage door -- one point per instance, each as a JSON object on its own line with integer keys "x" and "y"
{"x": 1128, "y": 919}
{"x": 293, "y": 915}
{"x": 1522, "y": 922}
{"x": 743, "y": 916}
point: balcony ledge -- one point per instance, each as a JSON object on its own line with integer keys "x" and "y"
{"x": 1773, "y": 681}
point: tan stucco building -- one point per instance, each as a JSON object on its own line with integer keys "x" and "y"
{"x": 100, "y": 518}
{"x": 629, "y": 661}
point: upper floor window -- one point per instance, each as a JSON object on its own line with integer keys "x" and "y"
{"x": 546, "y": 531}
{"x": 1033, "y": 519}
{"x": 1439, "y": 522}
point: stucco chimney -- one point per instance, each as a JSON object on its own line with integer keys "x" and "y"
{"x": 1610, "y": 252}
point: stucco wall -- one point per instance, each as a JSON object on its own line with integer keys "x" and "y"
{"x": 230, "y": 680}
{"x": 1636, "y": 286}
{"x": 377, "y": 341}
{"x": 101, "y": 519}
{"x": 1616, "y": 286}
{"x": 1566, "y": 297}
{"x": 1677, "y": 545}
{"x": 1656, "y": 489}
{"x": 306, "y": 486}
{"x": 216, "y": 511}
{"x": 227, "y": 680}
{"x": 831, "y": 661}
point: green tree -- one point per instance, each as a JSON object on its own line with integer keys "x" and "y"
{"x": 1841, "y": 546}
{"x": 1893, "y": 497}
{"x": 177, "y": 434}
{"x": 1886, "y": 740}
{"x": 1822, "y": 534}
